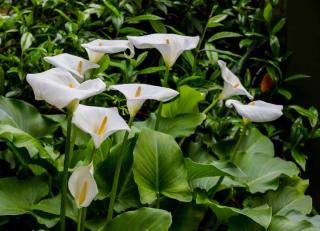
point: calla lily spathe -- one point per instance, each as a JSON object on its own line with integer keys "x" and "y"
{"x": 59, "y": 88}
{"x": 256, "y": 111}
{"x": 170, "y": 46}
{"x": 137, "y": 94}
{"x": 99, "y": 122}
{"x": 97, "y": 48}
{"x": 74, "y": 64}
{"x": 82, "y": 185}
{"x": 232, "y": 85}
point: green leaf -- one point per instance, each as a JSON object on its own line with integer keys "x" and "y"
{"x": 52, "y": 206}
{"x": 21, "y": 139}
{"x": 158, "y": 26}
{"x": 302, "y": 111}
{"x": 25, "y": 117}
{"x": 275, "y": 45}
{"x": 111, "y": 7}
{"x": 211, "y": 53}
{"x": 267, "y": 13}
{"x": 278, "y": 26}
{"x": 26, "y": 40}
{"x": 296, "y": 77}
{"x": 150, "y": 70}
{"x": 181, "y": 125}
{"x": 158, "y": 167}
{"x": 300, "y": 158}
{"x": 283, "y": 201}
{"x": 141, "y": 219}
{"x": 263, "y": 171}
{"x": 224, "y": 34}
{"x": 261, "y": 215}
{"x": 215, "y": 168}
{"x": 187, "y": 102}
{"x": 294, "y": 221}
{"x": 18, "y": 197}
{"x": 214, "y": 21}
{"x": 255, "y": 142}
{"x": 2, "y": 81}
{"x": 145, "y": 17}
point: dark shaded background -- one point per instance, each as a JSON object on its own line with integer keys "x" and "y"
{"x": 303, "y": 39}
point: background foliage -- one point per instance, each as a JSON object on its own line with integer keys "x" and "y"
{"x": 260, "y": 189}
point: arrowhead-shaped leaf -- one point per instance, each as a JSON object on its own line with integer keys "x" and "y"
{"x": 159, "y": 168}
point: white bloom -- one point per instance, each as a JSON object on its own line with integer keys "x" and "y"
{"x": 58, "y": 87}
{"x": 256, "y": 111}
{"x": 97, "y": 48}
{"x": 99, "y": 122}
{"x": 82, "y": 186}
{"x": 136, "y": 94}
{"x": 74, "y": 64}
{"x": 232, "y": 85}
{"x": 170, "y": 46}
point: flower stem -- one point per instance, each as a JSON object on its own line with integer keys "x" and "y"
{"x": 81, "y": 219}
{"x": 164, "y": 84}
{"x": 203, "y": 35}
{"x": 117, "y": 174}
{"x": 242, "y": 135}
{"x": 214, "y": 102}
{"x": 68, "y": 151}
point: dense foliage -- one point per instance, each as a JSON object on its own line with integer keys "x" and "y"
{"x": 213, "y": 171}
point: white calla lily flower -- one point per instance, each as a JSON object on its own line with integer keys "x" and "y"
{"x": 232, "y": 85}
{"x": 82, "y": 185}
{"x": 136, "y": 94}
{"x": 74, "y": 64}
{"x": 59, "y": 88}
{"x": 256, "y": 111}
{"x": 99, "y": 122}
{"x": 97, "y": 48}
{"x": 170, "y": 46}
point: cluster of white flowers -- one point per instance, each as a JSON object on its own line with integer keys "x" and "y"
{"x": 64, "y": 85}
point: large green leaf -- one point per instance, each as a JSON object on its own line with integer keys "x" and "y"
{"x": 19, "y": 196}
{"x": 25, "y": 117}
{"x": 22, "y": 139}
{"x": 263, "y": 171}
{"x": 284, "y": 200}
{"x": 187, "y": 102}
{"x": 141, "y": 219}
{"x": 255, "y": 142}
{"x": 158, "y": 167}
{"x": 295, "y": 221}
{"x": 215, "y": 168}
{"x": 179, "y": 126}
{"x": 52, "y": 206}
{"x": 261, "y": 215}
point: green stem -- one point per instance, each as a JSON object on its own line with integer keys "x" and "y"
{"x": 65, "y": 172}
{"x": 158, "y": 201}
{"x": 202, "y": 36}
{"x": 165, "y": 84}
{"x": 81, "y": 219}
{"x": 214, "y": 102}
{"x": 117, "y": 174}
{"x": 242, "y": 135}
{"x": 92, "y": 154}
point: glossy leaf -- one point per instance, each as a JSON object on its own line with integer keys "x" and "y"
{"x": 158, "y": 167}
{"x": 141, "y": 219}
{"x": 261, "y": 215}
